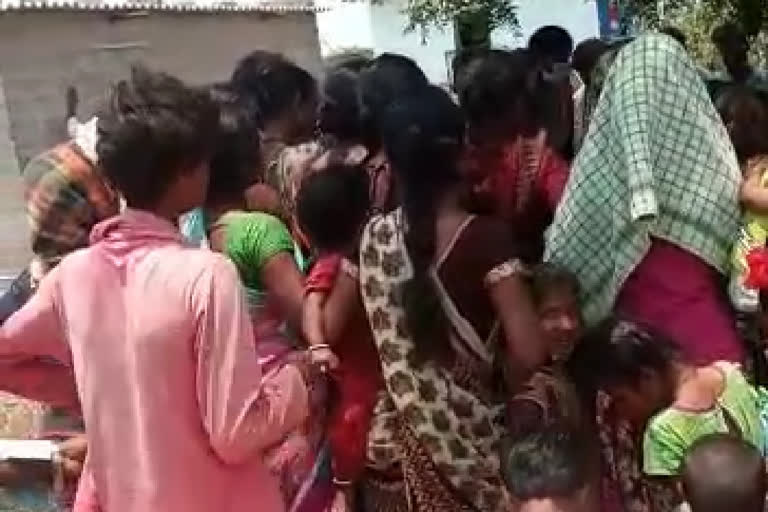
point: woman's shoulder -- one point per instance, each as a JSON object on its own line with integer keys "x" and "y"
{"x": 252, "y": 219}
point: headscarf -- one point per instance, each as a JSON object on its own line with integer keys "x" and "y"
{"x": 657, "y": 161}
{"x": 85, "y": 135}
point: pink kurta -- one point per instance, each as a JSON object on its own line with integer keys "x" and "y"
{"x": 176, "y": 408}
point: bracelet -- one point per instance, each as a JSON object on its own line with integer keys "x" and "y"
{"x": 342, "y": 483}
{"x": 319, "y": 346}
{"x": 350, "y": 269}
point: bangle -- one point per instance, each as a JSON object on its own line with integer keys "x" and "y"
{"x": 342, "y": 483}
{"x": 57, "y": 467}
{"x": 350, "y": 269}
{"x": 319, "y": 346}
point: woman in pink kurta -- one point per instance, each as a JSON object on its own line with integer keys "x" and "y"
{"x": 176, "y": 406}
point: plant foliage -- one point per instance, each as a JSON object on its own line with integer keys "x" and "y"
{"x": 439, "y": 13}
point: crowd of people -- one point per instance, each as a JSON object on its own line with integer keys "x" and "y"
{"x": 539, "y": 291}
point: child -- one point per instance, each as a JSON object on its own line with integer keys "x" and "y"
{"x": 333, "y": 226}
{"x": 549, "y": 396}
{"x": 676, "y": 403}
{"x": 746, "y": 118}
{"x": 550, "y": 471}
{"x": 724, "y": 473}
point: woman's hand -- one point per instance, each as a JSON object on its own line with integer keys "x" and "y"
{"x": 72, "y": 454}
{"x": 323, "y": 357}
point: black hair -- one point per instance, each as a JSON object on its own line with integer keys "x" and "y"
{"x": 730, "y": 33}
{"x": 586, "y": 55}
{"x": 423, "y": 136}
{"x": 350, "y": 60}
{"x": 548, "y": 276}
{"x": 553, "y": 43}
{"x": 723, "y": 472}
{"x": 332, "y": 205}
{"x": 154, "y": 128}
{"x": 462, "y": 63}
{"x": 746, "y": 117}
{"x": 618, "y": 352}
{"x": 676, "y": 34}
{"x": 236, "y": 158}
{"x": 498, "y": 86}
{"x": 387, "y": 78}
{"x": 271, "y": 85}
{"x": 340, "y": 110}
{"x": 549, "y": 463}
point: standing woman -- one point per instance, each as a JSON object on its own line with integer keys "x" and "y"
{"x": 647, "y": 221}
{"x": 448, "y": 308}
{"x": 651, "y": 209}
{"x": 283, "y": 98}
{"x": 511, "y": 164}
{"x": 268, "y": 263}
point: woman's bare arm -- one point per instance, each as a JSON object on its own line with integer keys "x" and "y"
{"x": 285, "y": 285}
{"x": 525, "y": 345}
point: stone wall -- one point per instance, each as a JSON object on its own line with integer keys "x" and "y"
{"x": 14, "y": 239}
{"x": 44, "y": 52}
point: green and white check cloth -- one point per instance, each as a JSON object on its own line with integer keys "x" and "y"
{"x": 657, "y": 161}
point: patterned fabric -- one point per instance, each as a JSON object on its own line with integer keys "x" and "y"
{"x": 657, "y": 161}
{"x": 66, "y": 197}
{"x": 448, "y": 436}
{"x": 624, "y": 488}
{"x": 522, "y": 181}
{"x": 671, "y": 433}
{"x": 286, "y": 168}
{"x": 551, "y": 390}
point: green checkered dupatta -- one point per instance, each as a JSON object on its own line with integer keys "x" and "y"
{"x": 657, "y": 161}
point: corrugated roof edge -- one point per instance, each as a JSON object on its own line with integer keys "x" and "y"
{"x": 191, "y": 7}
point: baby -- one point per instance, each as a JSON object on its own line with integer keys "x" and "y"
{"x": 746, "y": 119}
{"x": 333, "y": 227}
{"x": 723, "y": 473}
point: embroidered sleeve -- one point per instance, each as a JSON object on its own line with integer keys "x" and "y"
{"x": 503, "y": 271}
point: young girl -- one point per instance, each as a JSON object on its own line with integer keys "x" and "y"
{"x": 549, "y": 396}
{"x": 333, "y": 228}
{"x": 675, "y": 402}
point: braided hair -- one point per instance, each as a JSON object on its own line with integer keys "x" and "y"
{"x": 423, "y": 136}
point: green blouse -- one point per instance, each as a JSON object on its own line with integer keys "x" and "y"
{"x": 671, "y": 433}
{"x": 251, "y": 239}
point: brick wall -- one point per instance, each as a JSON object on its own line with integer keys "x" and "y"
{"x": 43, "y": 52}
